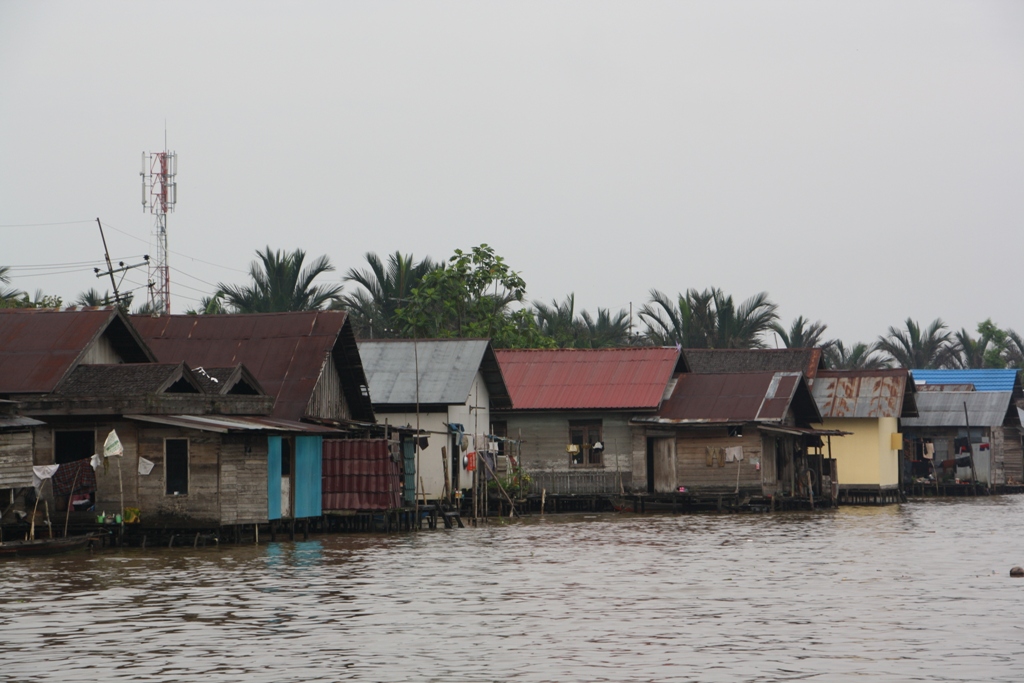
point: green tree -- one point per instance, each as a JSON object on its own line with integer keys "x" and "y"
{"x": 384, "y": 288}
{"x": 209, "y": 305}
{"x": 607, "y": 330}
{"x": 472, "y": 295}
{"x": 8, "y": 295}
{"x": 860, "y": 356}
{"x": 281, "y": 283}
{"x": 560, "y": 322}
{"x": 914, "y": 347}
{"x": 802, "y": 334}
{"x": 708, "y": 320}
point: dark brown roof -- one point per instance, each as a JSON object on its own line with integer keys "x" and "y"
{"x": 735, "y": 398}
{"x": 38, "y": 347}
{"x": 715, "y": 361}
{"x": 124, "y": 380}
{"x": 285, "y": 352}
{"x": 227, "y": 380}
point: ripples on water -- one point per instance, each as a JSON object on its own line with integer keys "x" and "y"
{"x": 919, "y": 592}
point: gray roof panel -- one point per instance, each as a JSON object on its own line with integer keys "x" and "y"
{"x": 946, "y": 408}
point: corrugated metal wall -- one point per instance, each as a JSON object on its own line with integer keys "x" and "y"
{"x": 359, "y": 474}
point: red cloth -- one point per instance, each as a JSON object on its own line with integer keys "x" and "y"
{"x": 79, "y": 474}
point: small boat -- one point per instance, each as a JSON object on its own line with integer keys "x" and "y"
{"x": 48, "y": 546}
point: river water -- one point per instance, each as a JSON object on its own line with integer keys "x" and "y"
{"x": 918, "y": 592}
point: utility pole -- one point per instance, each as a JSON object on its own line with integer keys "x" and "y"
{"x": 121, "y": 267}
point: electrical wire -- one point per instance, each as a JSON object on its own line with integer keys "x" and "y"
{"x": 40, "y": 225}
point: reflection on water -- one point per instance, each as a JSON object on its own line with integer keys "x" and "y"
{"x": 916, "y": 592}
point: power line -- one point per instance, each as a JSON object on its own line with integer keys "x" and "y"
{"x": 39, "y": 225}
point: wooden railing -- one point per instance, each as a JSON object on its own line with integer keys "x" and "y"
{"x": 580, "y": 482}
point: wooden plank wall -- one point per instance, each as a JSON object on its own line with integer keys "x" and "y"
{"x": 328, "y": 400}
{"x": 201, "y": 505}
{"x": 693, "y": 472}
{"x": 1007, "y": 451}
{"x": 243, "y": 479}
{"x": 545, "y": 436}
{"x": 15, "y": 459}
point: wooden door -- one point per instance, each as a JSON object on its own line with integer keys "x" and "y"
{"x": 664, "y": 464}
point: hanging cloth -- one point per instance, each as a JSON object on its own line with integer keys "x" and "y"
{"x": 41, "y": 473}
{"x": 145, "y": 466}
{"x": 734, "y": 453}
{"x": 74, "y": 477}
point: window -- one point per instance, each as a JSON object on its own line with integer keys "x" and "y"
{"x": 500, "y": 429}
{"x": 71, "y": 446}
{"x": 586, "y": 436}
{"x": 176, "y": 466}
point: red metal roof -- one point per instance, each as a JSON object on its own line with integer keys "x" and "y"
{"x": 286, "y": 352}
{"x": 736, "y": 398}
{"x": 38, "y": 347}
{"x": 588, "y": 379}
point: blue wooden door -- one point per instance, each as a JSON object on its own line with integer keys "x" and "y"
{"x": 273, "y": 477}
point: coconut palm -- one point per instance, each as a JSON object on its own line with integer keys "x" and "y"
{"x": 860, "y": 356}
{"x": 384, "y": 287}
{"x": 605, "y": 331}
{"x": 281, "y": 283}
{"x": 914, "y": 347}
{"x": 802, "y": 334}
{"x": 559, "y": 321}
{"x": 709, "y": 319}
{"x": 8, "y": 295}
{"x": 92, "y": 297}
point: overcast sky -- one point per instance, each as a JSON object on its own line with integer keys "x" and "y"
{"x": 861, "y": 162}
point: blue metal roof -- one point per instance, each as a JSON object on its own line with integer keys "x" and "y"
{"x": 983, "y": 380}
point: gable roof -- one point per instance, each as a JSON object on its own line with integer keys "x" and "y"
{"x": 127, "y": 380}
{"x": 946, "y": 409}
{"x": 989, "y": 379}
{"x": 39, "y": 347}
{"x": 285, "y": 352}
{"x": 865, "y": 393}
{"x": 589, "y": 379}
{"x": 733, "y": 398}
{"x": 716, "y": 361}
{"x": 447, "y": 369}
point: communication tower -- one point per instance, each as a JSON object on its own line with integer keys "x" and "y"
{"x": 159, "y": 195}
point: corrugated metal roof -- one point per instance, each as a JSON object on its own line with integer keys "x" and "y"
{"x": 582, "y": 379}
{"x": 990, "y": 379}
{"x": 946, "y": 408}
{"x": 737, "y": 398}
{"x": 285, "y": 352}
{"x": 223, "y": 424}
{"x": 447, "y": 368}
{"x": 38, "y": 347}
{"x": 863, "y": 393}
{"x": 718, "y": 361}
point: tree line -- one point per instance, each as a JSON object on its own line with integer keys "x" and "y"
{"x": 476, "y": 294}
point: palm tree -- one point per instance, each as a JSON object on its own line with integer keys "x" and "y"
{"x": 1014, "y": 351}
{"x": 280, "y": 283}
{"x": 916, "y": 348}
{"x": 92, "y": 297}
{"x": 384, "y": 288}
{"x": 802, "y": 334}
{"x": 858, "y": 357}
{"x": 606, "y": 331}
{"x": 8, "y": 295}
{"x": 970, "y": 353}
{"x": 209, "y": 305}
{"x": 709, "y": 319}
{"x": 559, "y": 321}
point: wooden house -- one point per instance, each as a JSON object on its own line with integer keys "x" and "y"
{"x": 445, "y": 389}
{"x": 965, "y": 412}
{"x": 308, "y": 362}
{"x": 745, "y": 434}
{"x": 194, "y": 443}
{"x": 868, "y": 404}
{"x": 571, "y": 412}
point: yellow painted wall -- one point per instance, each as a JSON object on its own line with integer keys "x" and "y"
{"x": 864, "y": 458}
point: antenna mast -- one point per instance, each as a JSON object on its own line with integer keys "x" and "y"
{"x": 159, "y": 195}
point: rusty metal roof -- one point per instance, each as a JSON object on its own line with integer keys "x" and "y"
{"x": 285, "y": 352}
{"x": 588, "y": 379}
{"x": 223, "y": 424}
{"x": 735, "y": 398}
{"x": 865, "y": 393}
{"x": 38, "y": 347}
{"x": 717, "y": 361}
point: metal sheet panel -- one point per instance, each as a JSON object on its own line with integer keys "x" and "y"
{"x": 307, "y": 476}
{"x": 588, "y": 379}
{"x": 359, "y": 474}
{"x": 989, "y": 379}
{"x": 447, "y": 368}
{"x": 946, "y": 409}
{"x": 860, "y": 393}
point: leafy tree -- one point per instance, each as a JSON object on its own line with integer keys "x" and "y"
{"x": 708, "y": 319}
{"x": 385, "y": 286}
{"x": 471, "y": 295}
{"x": 281, "y": 283}
{"x": 802, "y": 334}
{"x": 858, "y": 357}
{"x": 913, "y": 347}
